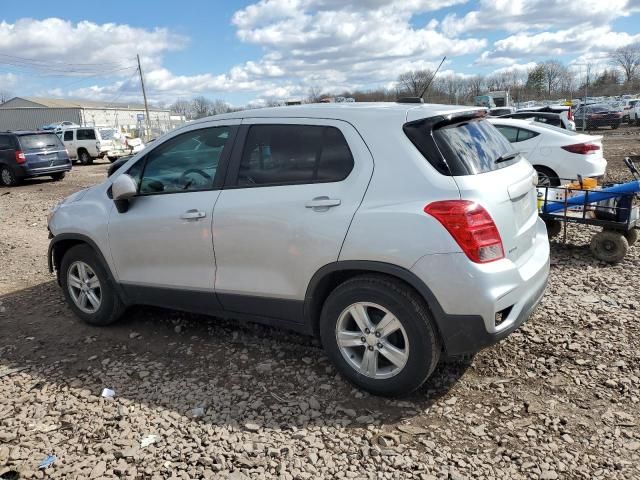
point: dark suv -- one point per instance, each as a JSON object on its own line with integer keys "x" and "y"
{"x": 31, "y": 154}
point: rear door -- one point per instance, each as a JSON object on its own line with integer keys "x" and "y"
{"x": 504, "y": 188}
{"x": 42, "y": 150}
{"x": 67, "y": 139}
{"x": 292, "y": 191}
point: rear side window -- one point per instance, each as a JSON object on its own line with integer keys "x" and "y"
{"x": 68, "y": 135}
{"x": 294, "y": 154}
{"x": 524, "y": 134}
{"x": 515, "y": 135}
{"x": 468, "y": 147}
{"x": 5, "y": 142}
{"x": 85, "y": 134}
{"x": 40, "y": 140}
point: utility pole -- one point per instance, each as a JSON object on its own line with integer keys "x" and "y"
{"x": 146, "y": 105}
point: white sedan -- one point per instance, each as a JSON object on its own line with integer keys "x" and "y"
{"x": 558, "y": 155}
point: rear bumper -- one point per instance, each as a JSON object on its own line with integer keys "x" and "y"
{"x": 24, "y": 171}
{"x": 468, "y": 296}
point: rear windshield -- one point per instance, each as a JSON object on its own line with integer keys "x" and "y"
{"x": 465, "y": 148}
{"x": 39, "y": 140}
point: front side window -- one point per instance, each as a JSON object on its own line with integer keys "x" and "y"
{"x": 185, "y": 163}
{"x": 294, "y": 154}
{"x": 85, "y": 134}
{"x": 68, "y": 136}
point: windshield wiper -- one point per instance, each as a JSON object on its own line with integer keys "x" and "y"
{"x": 506, "y": 157}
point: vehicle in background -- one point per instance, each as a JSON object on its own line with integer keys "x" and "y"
{"x": 555, "y": 119}
{"x": 85, "y": 144}
{"x": 493, "y": 99}
{"x": 627, "y": 109}
{"x": 59, "y": 125}
{"x": 635, "y": 114}
{"x": 437, "y": 251}
{"x": 555, "y": 153}
{"x": 600, "y": 115}
{"x": 500, "y": 111}
{"x": 26, "y": 154}
{"x": 116, "y": 164}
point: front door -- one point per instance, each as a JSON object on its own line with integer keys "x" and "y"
{"x": 292, "y": 193}
{"x": 164, "y": 239}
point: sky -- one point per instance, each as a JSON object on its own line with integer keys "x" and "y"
{"x": 251, "y": 52}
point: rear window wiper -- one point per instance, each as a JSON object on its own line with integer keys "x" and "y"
{"x": 506, "y": 157}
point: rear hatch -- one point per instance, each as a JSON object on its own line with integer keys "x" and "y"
{"x": 43, "y": 150}
{"x": 487, "y": 170}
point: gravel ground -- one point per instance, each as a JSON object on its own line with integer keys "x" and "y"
{"x": 197, "y": 397}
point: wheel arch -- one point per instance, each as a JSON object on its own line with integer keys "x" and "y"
{"x": 60, "y": 244}
{"x": 327, "y": 278}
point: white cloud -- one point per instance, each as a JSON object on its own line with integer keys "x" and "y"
{"x": 527, "y": 15}
{"x": 576, "y": 40}
{"x": 67, "y": 45}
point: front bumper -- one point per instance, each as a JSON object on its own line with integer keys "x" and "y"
{"x": 468, "y": 296}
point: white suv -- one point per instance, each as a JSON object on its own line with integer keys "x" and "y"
{"x": 397, "y": 233}
{"x": 88, "y": 143}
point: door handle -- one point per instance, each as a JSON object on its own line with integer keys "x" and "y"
{"x": 323, "y": 203}
{"x": 193, "y": 215}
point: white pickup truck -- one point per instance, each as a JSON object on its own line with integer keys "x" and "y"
{"x": 88, "y": 143}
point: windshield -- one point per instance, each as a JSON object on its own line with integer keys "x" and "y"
{"x": 39, "y": 140}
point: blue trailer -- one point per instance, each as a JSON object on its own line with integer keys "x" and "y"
{"x": 613, "y": 207}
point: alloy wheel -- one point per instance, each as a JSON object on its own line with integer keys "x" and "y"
{"x": 84, "y": 287}
{"x": 372, "y": 340}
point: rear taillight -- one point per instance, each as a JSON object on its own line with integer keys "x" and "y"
{"x": 582, "y": 148}
{"x": 472, "y": 228}
{"x": 570, "y": 114}
{"x": 20, "y": 157}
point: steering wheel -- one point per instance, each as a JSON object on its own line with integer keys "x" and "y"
{"x": 187, "y": 183}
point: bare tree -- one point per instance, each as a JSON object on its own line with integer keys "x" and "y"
{"x": 552, "y": 72}
{"x": 627, "y": 58}
{"x": 315, "y": 94}
{"x": 181, "y": 107}
{"x": 219, "y": 106}
{"x": 414, "y": 82}
{"x": 201, "y": 106}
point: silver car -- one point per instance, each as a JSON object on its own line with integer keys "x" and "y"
{"x": 397, "y": 233}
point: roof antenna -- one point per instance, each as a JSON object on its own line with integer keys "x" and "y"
{"x": 432, "y": 77}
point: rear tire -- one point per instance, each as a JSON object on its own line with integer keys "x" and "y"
{"x": 615, "y": 126}
{"x": 632, "y": 236}
{"x": 547, "y": 175}
{"x": 109, "y": 307}
{"x": 84, "y": 157}
{"x": 609, "y": 246}
{"x": 412, "y": 341}
{"x": 7, "y": 177}
{"x": 58, "y": 176}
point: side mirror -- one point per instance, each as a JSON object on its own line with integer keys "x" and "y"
{"x": 123, "y": 189}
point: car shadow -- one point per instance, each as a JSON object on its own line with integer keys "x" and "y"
{"x": 178, "y": 361}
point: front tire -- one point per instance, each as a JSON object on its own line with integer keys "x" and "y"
{"x": 88, "y": 288}
{"x": 7, "y": 177}
{"x": 401, "y": 347}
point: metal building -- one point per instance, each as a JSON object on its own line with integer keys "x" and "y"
{"x": 31, "y": 113}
